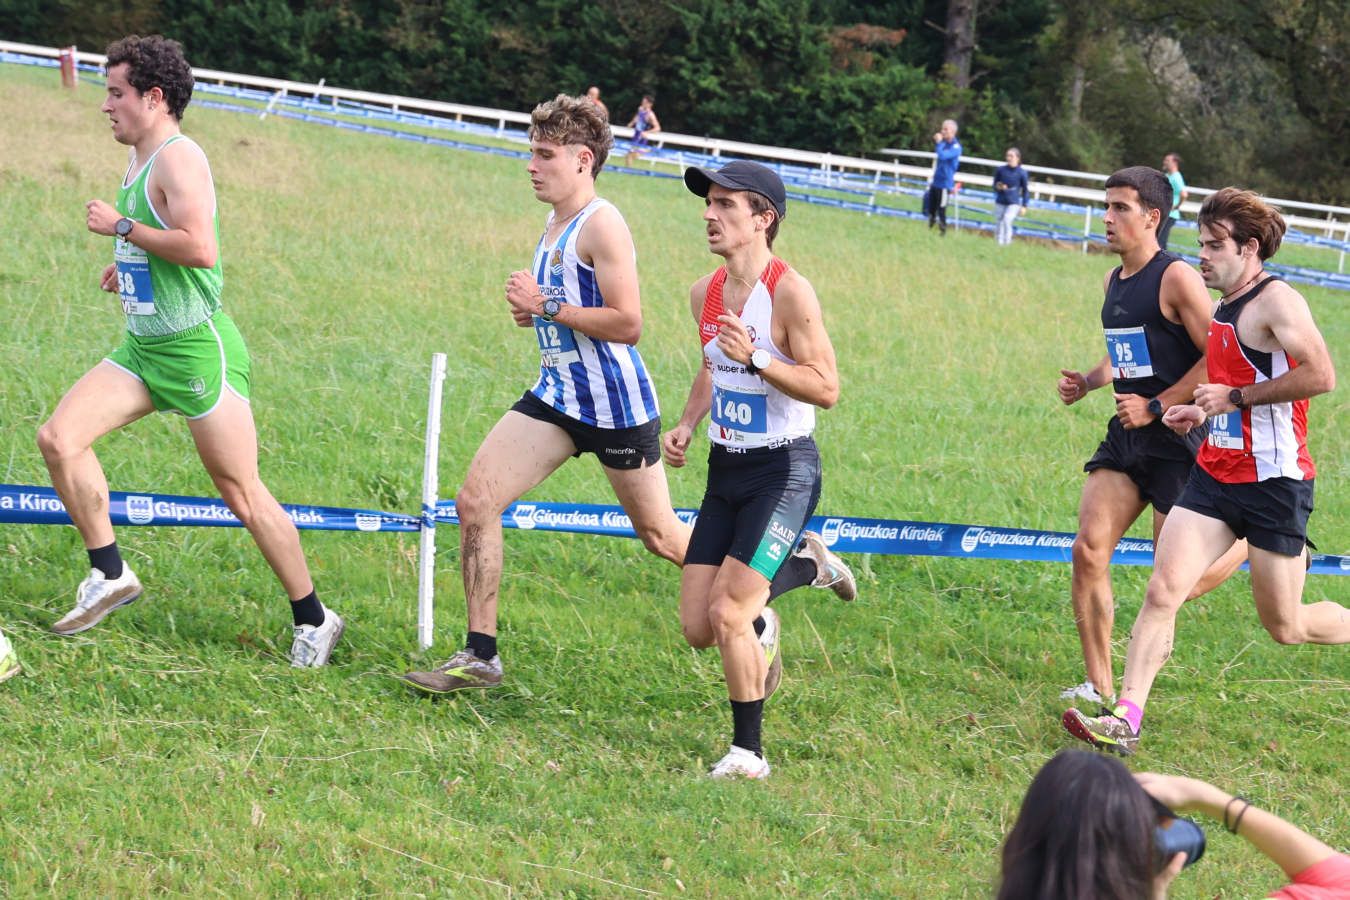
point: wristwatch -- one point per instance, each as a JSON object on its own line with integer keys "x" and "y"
{"x": 1235, "y": 398}
{"x": 124, "y": 226}
{"x": 551, "y": 309}
{"x": 1155, "y": 407}
{"x": 759, "y": 360}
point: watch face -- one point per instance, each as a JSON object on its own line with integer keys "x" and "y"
{"x": 551, "y": 307}
{"x": 760, "y": 359}
{"x": 123, "y": 227}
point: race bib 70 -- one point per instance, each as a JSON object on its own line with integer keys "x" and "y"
{"x": 1225, "y": 431}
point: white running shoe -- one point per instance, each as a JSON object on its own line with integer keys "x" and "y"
{"x": 769, "y": 640}
{"x": 9, "y": 660}
{"x": 313, "y": 644}
{"x": 96, "y": 597}
{"x": 1085, "y": 691}
{"x": 831, "y": 571}
{"x": 740, "y": 763}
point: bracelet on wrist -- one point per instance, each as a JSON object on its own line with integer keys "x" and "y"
{"x": 1232, "y": 829}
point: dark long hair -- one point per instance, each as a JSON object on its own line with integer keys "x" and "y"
{"x": 1085, "y": 832}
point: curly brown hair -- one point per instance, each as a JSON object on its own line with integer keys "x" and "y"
{"x": 568, "y": 121}
{"x": 154, "y": 62}
{"x": 1243, "y": 215}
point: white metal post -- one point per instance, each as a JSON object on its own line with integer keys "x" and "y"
{"x": 1087, "y": 226}
{"x": 426, "y": 556}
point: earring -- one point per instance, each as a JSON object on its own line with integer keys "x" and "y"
{"x": 579, "y": 171}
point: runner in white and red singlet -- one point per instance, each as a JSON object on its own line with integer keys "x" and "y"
{"x": 767, "y": 364}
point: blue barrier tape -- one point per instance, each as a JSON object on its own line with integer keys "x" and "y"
{"x": 890, "y": 537}
{"x": 31, "y": 505}
{"x": 27, "y": 505}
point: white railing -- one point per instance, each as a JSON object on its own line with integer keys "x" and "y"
{"x": 1336, "y": 224}
{"x": 1337, "y": 218}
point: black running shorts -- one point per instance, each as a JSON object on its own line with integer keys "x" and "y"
{"x": 1271, "y": 514}
{"x": 756, "y": 505}
{"x": 1156, "y": 459}
{"x": 617, "y": 448}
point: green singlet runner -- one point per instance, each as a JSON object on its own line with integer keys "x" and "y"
{"x": 179, "y": 341}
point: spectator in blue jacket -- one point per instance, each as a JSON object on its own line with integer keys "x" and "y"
{"x": 1010, "y": 194}
{"x": 948, "y": 150}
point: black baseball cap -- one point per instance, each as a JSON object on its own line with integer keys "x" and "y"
{"x": 740, "y": 175}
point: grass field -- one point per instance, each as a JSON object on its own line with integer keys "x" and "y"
{"x": 172, "y": 751}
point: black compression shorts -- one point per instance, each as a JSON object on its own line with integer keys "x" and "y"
{"x": 756, "y": 505}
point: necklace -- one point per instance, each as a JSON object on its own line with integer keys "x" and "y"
{"x": 1224, "y": 297}
{"x": 563, "y": 221}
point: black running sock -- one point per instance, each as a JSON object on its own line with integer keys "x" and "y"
{"x": 107, "y": 560}
{"x": 746, "y": 718}
{"x": 795, "y": 572}
{"x": 307, "y": 610}
{"x": 483, "y": 646}
{"x": 760, "y": 625}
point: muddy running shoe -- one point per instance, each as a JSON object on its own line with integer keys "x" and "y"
{"x": 464, "y": 670}
{"x": 1107, "y": 731}
{"x": 740, "y": 763}
{"x": 769, "y": 640}
{"x": 96, "y": 597}
{"x": 1085, "y": 691}
{"x": 831, "y": 572}
{"x": 313, "y": 644}
{"x": 9, "y": 660}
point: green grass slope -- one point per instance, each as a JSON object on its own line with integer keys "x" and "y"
{"x": 171, "y": 750}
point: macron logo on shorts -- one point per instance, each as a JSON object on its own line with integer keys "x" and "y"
{"x": 620, "y": 451}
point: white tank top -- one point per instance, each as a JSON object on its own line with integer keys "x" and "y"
{"x": 747, "y": 411}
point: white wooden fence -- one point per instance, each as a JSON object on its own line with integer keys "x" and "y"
{"x": 1335, "y": 225}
